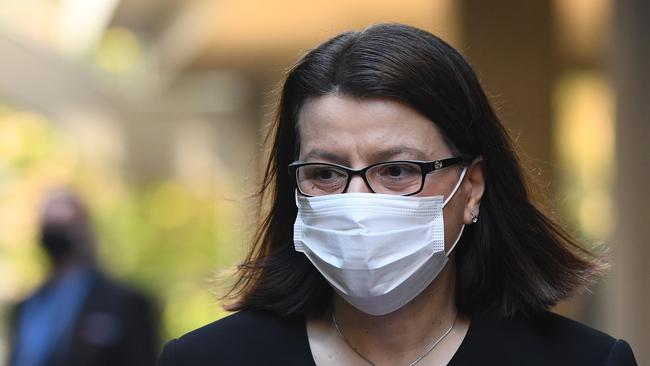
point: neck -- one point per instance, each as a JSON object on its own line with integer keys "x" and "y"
{"x": 403, "y": 334}
{"x": 62, "y": 265}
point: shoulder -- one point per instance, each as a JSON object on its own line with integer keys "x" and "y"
{"x": 111, "y": 291}
{"x": 553, "y": 328}
{"x": 122, "y": 305}
{"x": 243, "y": 325}
{"x": 246, "y": 337}
{"x": 545, "y": 338}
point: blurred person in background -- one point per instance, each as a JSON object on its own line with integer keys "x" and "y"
{"x": 400, "y": 229}
{"x": 79, "y": 316}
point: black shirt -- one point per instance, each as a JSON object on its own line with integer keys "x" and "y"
{"x": 254, "y": 338}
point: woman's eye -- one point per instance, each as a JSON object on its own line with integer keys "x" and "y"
{"x": 394, "y": 171}
{"x": 399, "y": 171}
{"x": 325, "y": 174}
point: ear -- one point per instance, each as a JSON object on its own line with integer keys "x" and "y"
{"x": 475, "y": 186}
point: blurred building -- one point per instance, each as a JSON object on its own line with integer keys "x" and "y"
{"x": 154, "y": 88}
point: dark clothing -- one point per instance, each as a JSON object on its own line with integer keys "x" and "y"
{"x": 113, "y": 326}
{"x": 252, "y": 338}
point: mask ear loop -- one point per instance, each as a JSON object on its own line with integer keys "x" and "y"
{"x": 453, "y": 192}
{"x": 456, "y": 241}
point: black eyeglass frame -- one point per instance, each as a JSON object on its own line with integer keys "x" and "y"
{"x": 426, "y": 167}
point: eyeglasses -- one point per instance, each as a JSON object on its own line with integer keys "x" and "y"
{"x": 402, "y": 177}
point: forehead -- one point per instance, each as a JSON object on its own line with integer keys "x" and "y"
{"x": 357, "y": 129}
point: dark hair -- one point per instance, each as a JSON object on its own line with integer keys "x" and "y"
{"x": 514, "y": 260}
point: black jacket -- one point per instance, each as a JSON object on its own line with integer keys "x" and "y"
{"x": 115, "y": 326}
{"x": 252, "y": 338}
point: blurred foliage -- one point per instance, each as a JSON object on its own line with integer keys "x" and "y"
{"x": 164, "y": 237}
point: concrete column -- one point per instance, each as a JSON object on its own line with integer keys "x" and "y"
{"x": 628, "y": 292}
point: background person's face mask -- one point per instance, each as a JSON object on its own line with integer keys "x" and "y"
{"x": 377, "y": 251}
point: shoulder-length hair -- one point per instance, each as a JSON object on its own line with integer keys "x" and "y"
{"x": 513, "y": 260}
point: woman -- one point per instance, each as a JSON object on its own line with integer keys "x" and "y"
{"x": 403, "y": 233}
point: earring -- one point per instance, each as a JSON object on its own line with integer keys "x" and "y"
{"x": 474, "y": 217}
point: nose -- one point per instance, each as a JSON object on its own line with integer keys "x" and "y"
{"x": 358, "y": 185}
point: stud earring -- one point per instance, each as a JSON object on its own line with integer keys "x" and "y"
{"x": 474, "y": 217}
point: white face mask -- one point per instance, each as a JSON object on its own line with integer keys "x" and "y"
{"x": 377, "y": 251}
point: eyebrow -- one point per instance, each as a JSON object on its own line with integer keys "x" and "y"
{"x": 378, "y": 156}
{"x": 321, "y": 154}
{"x": 392, "y": 152}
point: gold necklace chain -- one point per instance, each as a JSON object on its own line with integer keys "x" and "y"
{"x": 417, "y": 360}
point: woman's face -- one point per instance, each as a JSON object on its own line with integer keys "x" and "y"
{"x": 359, "y": 132}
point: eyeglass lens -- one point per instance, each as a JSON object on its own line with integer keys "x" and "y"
{"x": 390, "y": 178}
